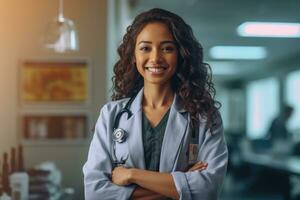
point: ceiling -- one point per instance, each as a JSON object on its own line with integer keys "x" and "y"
{"x": 215, "y": 21}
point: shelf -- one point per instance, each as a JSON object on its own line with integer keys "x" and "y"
{"x": 55, "y": 142}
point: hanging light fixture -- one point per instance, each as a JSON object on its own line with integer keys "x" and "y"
{"x": 61, "y": 34}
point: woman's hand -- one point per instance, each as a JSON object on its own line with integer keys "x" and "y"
{"x": 121, "y": 176}
{"x": 198, "y": 166}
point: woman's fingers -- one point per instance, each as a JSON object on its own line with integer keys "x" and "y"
{"x": 198, "y": 166}
{"x": 120, "y": 176}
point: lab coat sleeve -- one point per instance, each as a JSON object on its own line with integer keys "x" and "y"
{"x": 98, "y": 167}
{"x": 205, "y": 184}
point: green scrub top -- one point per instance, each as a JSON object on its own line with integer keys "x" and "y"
{"x": 152, "y": 141}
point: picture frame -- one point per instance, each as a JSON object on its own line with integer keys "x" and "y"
{"x": 48, "y": 82}
{"x": 54, "y": 126}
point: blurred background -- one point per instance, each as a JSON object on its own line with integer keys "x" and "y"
{"x": 56, "y": 62}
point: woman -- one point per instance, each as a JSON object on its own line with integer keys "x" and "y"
{"x": 171, "y": 120}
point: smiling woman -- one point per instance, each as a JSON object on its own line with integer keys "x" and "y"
{"x": 170, "y": 142}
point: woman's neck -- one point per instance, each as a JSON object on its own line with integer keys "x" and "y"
{"x": 156, "y": 96}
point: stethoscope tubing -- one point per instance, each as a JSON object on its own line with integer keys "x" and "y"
{"x": 119, "y": 135}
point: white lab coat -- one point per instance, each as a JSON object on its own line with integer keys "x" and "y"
{"x": 194, "y": 185}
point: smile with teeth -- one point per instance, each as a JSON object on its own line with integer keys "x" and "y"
{"x": 156, "y": 69}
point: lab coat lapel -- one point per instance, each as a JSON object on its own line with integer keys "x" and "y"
{"x": 174, "y": 134}
{"x": 134, "y": 128}
{"x": 136, "y": 149}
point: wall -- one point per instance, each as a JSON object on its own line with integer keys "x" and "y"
{"x": 22, "y": 24}
{"x": 118, "y": 18}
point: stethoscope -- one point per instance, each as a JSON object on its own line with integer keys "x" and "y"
{"x": 120, "y": 135}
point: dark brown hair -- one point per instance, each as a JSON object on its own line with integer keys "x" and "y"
{"x": 192, "y": 81}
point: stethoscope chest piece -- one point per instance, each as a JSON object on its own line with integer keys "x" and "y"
{"x": 119, "y": 135}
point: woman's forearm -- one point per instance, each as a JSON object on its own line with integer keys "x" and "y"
{"x": 157, "y": 182}
{"x": 149, "y": 181}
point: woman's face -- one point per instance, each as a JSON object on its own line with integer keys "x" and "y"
{"x": 156, "y": 54}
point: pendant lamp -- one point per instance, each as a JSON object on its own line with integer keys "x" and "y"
{"x": 61, "y": 34}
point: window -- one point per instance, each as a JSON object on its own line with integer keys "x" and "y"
{"x": 262, "y": 98}
{"x": 293, "y": 99}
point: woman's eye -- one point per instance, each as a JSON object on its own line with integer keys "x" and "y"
{"x": 168, "y": 49}
{"x": 144, "y": 49}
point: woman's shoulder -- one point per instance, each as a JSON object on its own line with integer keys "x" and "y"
{"x": 114, "y": 105}
{"x": 216, "y": 117}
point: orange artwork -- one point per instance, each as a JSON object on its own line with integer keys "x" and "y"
{"x": 54, "y": 82}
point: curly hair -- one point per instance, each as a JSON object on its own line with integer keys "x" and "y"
{"x": 192, "y": 80}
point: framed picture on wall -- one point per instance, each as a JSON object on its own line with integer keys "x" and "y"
{"x": 54, "y": 82}
{"x": 43, "y": 126}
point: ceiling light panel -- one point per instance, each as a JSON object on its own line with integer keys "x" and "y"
{"x": 238, "y": 52}
{"x": 269, "y": 29}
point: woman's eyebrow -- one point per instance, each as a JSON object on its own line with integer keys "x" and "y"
{"x": 147, "y": 42}
{"x": 163, "y": 42}
{"x": 167, "y": 42}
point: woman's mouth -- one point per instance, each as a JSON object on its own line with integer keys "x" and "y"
{"x": 156, "y": 70}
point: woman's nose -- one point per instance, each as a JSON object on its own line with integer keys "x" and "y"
{"x": 155, "y": 56}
